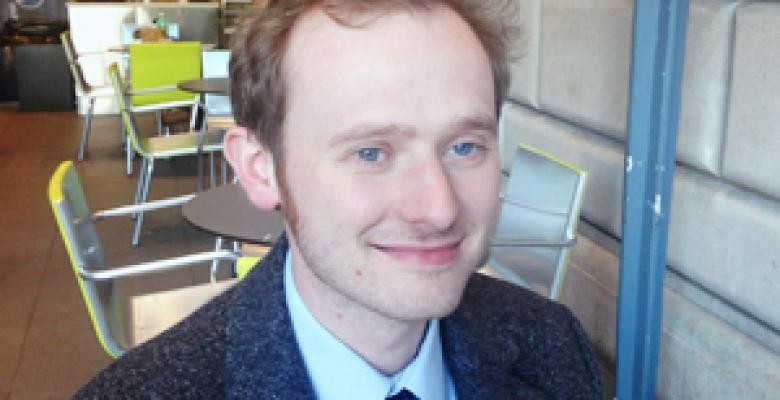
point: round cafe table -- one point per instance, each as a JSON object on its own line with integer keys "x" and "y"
{"x": 206, "y": 86}
{"x": 225, "y": 211}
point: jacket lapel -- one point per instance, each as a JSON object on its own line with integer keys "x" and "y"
{"x": 481, "y": 349}
{"x": 263, "y": 360}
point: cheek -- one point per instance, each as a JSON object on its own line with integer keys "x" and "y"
{"x": 479, "y": 194}
{"x": 360, "y": 201}
{"x": 346, "y": 202}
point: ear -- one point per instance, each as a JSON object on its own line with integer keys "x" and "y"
{"x": 254, "y": 166}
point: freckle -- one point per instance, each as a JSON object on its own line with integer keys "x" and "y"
{"x": 358, "y": 272}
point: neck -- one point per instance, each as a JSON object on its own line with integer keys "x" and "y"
{"x": 386, "y": 343}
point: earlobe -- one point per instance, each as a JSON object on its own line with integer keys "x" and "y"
{"x": 254, "y": 167}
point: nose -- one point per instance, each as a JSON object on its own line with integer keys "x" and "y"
{"x": 428, "y": 198}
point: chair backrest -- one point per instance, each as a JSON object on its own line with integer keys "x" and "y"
{"x": 120, "y": 94}
{"x": 73, "y": 62}
{"x": 215, "y": 65}
{"x": 541, "y": 206}
{"x": 153, "y": 65}
{"x": 78, "y": 232}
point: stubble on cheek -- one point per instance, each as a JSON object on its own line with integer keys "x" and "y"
{"x": 288, "y": 206}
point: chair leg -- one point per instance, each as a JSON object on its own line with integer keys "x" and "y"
{"x": 129, "y": 152}
{"x": 194, "y": 115}
{"x": 139, "y": 221}
{"x": 158, "y": 116}
{"x": 139, "y": 188}
{"x": 147, "y": 180}
{"x": 224, "y": 170}
{"x": 203, "y": 132}
{"x": 199, "y": 166}
{"x": 87, "y": 129}
{"x": 215, "y": 263}
{"x": 212, "y": 171}
{"x": 234, "y": 263}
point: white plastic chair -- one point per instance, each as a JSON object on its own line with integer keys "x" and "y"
{"x": 91, "y": 93}
{"x": 217, "y": 111}
{"x": 538, "y": 221}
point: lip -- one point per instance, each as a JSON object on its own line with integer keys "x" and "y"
{"x": 422, "y": 255}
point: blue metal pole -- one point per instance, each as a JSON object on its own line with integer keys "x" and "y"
{"x": 654, "y": 106}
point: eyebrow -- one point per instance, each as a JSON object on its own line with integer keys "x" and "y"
{"x": 475, "y": 123}
{"x": 366, "y": 131}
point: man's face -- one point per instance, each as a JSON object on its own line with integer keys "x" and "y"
{"x": 390, "y": 161}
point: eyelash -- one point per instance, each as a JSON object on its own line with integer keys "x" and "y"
{"x": 379, "y": 155}
{"x": 473, "y": 147}
{"x": 376, "y": 152}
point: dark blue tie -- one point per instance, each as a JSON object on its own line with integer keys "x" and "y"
{"x": 404, "y": 394}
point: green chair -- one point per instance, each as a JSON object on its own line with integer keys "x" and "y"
{"x": 155, "y": 70}
{"x": 160, "y": 65}
{"x": 96, "y": 280}
{"x": 89, "y": 92}
{"x": 152, "y": 148}
{"x": 245, "y": 264}
{"x": 538, "y": 221}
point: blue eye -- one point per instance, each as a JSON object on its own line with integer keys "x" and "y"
{"x": 464, "y": 149}
{"x": 369, "y": 154}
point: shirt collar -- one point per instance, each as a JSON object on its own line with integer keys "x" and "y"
{"x": 337, "y": 372}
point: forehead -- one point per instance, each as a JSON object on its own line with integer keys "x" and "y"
{"x": 320, "y": 40}
{"x": 417, "y": 56}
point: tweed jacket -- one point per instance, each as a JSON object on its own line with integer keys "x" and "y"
{"x": 503, "y": 342}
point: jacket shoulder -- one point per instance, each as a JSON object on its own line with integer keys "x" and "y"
{"x": 529, "y": 343}
{"x": 497, "y": 301}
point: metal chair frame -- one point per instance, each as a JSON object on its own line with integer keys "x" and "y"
{"x": 538, "y": 223}
{"x": 158, "y": 147}
{"x": 95, "y": 278}
{"x": 91, "y": 93}
{"x": 168, "y": 68}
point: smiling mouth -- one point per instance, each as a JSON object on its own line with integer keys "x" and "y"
{"x": 422, "y": 255}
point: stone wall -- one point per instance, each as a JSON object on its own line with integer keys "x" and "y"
{"x": 721, "y": 327}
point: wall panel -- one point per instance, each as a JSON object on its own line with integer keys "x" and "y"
{"x": 752, "y": 154}
{"x": 586, "y": 46}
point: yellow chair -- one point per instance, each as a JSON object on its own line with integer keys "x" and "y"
{"x": 245, "y": 264}
{"x": 190, "y": 144}
{"x": 155, "y": 70}
{"x": 91, "y": 93}
{"x": 538, "y": 222}
{"x": 95, "y": 278}
{"x": 163, "y": 65}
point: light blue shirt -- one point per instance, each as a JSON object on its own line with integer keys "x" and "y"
{"x": 338, "y": 373}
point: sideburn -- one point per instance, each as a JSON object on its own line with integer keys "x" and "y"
{"x": 287, "y": 205}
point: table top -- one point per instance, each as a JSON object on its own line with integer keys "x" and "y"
{"x": 123, "y": 48}
{"x": 225, "y": 211}
{"x": 206, "y": 85}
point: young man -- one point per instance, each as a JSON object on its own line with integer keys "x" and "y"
{"x": 372, "y": 124}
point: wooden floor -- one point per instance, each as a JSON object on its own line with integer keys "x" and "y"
{"x": 47, "y": 346}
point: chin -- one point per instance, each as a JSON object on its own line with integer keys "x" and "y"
{"x": 424, "y": 314}
{"x": 436, "y": 302}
